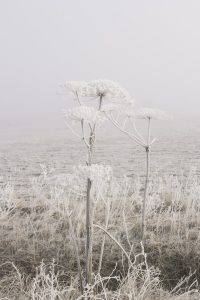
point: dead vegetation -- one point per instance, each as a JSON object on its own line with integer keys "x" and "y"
{"x": 38, "y": 254}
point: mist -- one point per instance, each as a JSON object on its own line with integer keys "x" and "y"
{"x": 152, "y": 48}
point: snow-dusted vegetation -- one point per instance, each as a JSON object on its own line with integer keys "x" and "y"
{"x": 90, "y": 234}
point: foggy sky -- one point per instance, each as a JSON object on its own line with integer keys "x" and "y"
{"x": 151, "y": 47}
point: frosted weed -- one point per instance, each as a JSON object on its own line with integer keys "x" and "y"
{"x": 130, "y": 115}
{"x": 90, "y": 118}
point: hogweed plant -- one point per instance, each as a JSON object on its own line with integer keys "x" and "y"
{"x": 147, "y": 114}
{"x": 104, "y": 94}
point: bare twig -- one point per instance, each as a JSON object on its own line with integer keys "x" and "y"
{"x": 76, "y": 252}
{"x": 116, "y": 242}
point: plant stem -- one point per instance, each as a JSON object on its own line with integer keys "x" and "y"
{"x": 89, "y": 209}
{"x": 104, "y": 238}
{"x": 76, "y": 252}
{"x": 147, "y": 149}
{"x": 88, "y": 234}
{"x": 89, "y": 217}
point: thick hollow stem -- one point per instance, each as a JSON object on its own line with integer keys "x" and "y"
{"x": 147, "y": 148}
{"x": 145, "y": 193}
{"x": 89, "y": 208}
{"x": 88, "y": 233}
{"x": 89, "y": 217}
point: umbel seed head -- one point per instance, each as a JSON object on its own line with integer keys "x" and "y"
{"x": 151, "y": 113}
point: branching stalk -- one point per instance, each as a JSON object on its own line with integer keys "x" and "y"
{"x": 133, "y": 137}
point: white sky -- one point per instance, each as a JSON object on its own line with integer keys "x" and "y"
{"x": 151, "y": 47}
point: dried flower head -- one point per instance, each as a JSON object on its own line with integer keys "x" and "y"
{"x": 151, "y": 113}
{"x": 75, "y": 88}
{"x": 129, "y": 111}
{"x": 85, "y": 113}
{"x": 107, "y": 89}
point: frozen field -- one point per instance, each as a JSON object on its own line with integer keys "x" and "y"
{"x": 176, "y": 152}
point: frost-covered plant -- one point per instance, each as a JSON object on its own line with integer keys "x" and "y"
{"x": 105, "y": 93}
{"x": 147, "y": 114}
{"x": 151, "y": 113}
{"x": 88, "y": 118}
{"x": 108, "y": 89}
{"x": 7, "y": 203}
{"x": 89, "y": 114}
{"x": 75, "y": 88}
{"x": 95, "y": 172}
